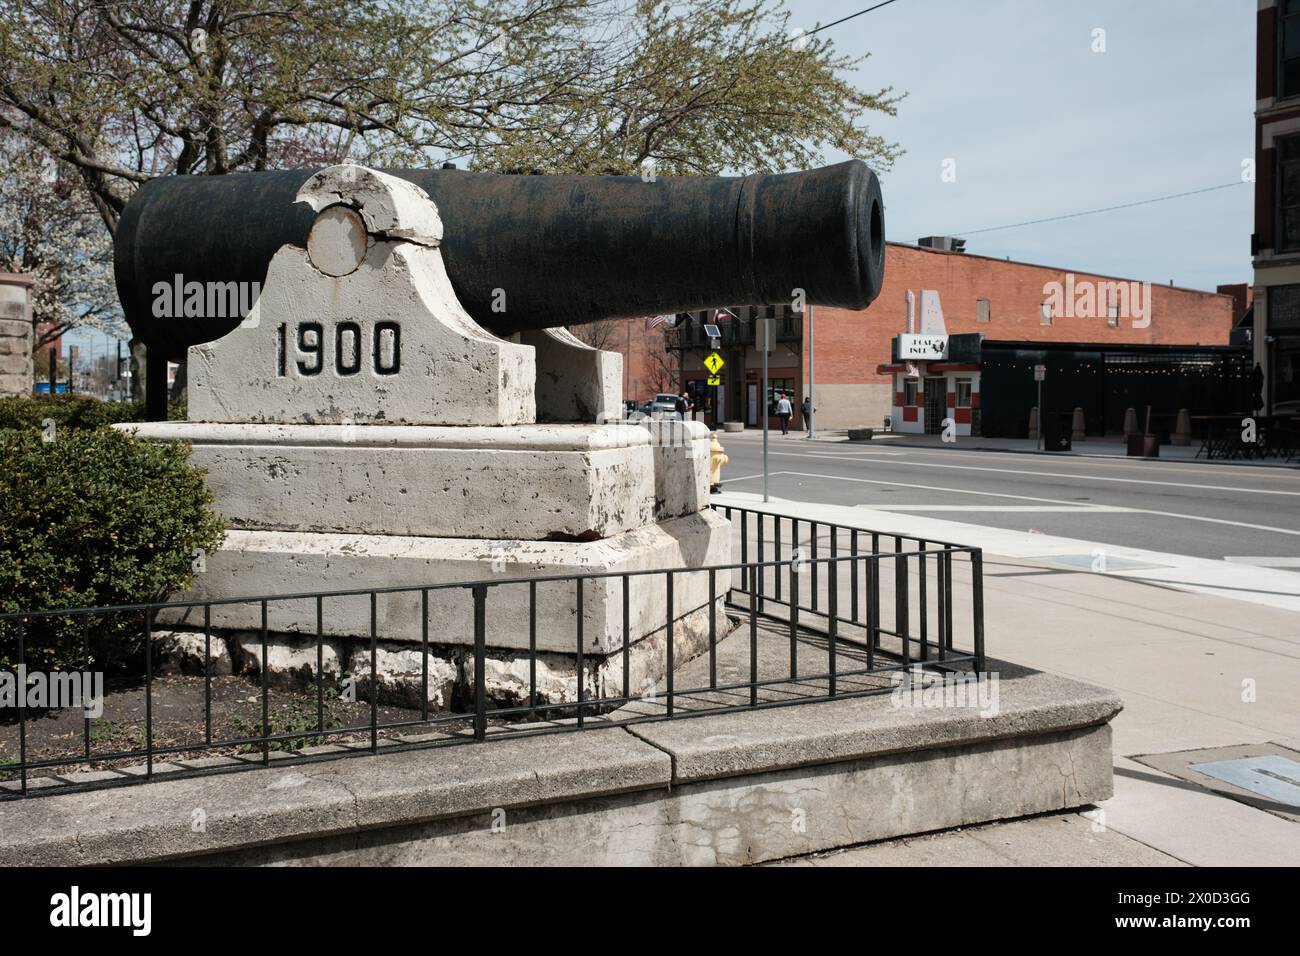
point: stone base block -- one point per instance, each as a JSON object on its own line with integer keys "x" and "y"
{"x": 529, "y": 482}
{"x": 253, "y": 563}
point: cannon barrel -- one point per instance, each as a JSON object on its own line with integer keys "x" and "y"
{"x": 562, "y": 250}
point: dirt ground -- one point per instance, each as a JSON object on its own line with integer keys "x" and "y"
{"x": 179, "y": 721}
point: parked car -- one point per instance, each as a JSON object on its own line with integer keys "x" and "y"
{"x": 663, "y": 402}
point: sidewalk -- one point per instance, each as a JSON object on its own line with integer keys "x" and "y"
{"x": 1195, "y": 671}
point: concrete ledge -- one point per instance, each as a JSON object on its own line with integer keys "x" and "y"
{"x": 727, "y": 789}
{"x": 241, "y": 810}
{"x": 727, "y": 745}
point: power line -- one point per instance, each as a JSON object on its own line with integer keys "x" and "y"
{"x": 835, "y": 23}
{"x": 1093, "y": 212}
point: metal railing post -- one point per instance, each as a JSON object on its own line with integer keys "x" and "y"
{"x": 977, "y": 605}
{"x": 794, "y": 616}
{"x": 480, "y": 662}
{"x": 669, "y": 643}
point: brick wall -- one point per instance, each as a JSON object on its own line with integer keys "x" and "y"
{"x": 851, "y": 344}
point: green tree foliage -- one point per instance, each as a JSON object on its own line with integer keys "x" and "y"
{"x": 94, "y": 518}
{"x": 122, "y": 92}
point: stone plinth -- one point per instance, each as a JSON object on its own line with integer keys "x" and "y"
{"x": 527, "y": 482}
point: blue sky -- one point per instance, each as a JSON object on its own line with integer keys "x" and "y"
{"x": 1040, "y": 125}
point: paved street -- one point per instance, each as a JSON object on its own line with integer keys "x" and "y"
{"x": 1242, "y": 513}
{"x": 1207, "y": 670}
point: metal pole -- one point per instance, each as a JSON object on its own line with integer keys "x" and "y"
{"x": 762, "y": 400}
{"x": 812, "y": 373}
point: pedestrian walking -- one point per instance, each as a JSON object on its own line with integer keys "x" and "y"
{"x": 783, "y": 411}
{"x": 808, "y": 415}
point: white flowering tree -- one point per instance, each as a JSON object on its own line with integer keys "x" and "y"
{"x": 50, "y": 230}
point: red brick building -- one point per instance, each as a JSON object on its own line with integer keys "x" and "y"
{"x": 854, "y": 382}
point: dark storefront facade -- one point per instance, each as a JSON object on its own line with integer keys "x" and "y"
{"x": 1105, "y": 381}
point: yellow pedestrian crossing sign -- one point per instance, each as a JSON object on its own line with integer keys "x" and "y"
{"x": 715, "y": 380}
{"x": 714, "y": 364}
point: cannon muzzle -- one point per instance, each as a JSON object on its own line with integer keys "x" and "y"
{"x": 529, "y": 252}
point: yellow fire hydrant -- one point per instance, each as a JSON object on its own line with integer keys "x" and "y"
{"x": 717, "y": 458}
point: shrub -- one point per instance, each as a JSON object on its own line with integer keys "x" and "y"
{"x": 74, "y": 411}
{"x": 94, "y": 518}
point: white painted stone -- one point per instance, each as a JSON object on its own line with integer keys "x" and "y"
{"x": 338, "y": 242}
{"x": 399, "y": 674}
{"x": 681, "y": 466}
{"x": 530, "y": 482}
{"x": 575, "y": 382}
{"x": 190, "y": 652}
{"x": 388, "y": 343}
{"x": 390, "y": 207}
{"x": 286, "y": 659}
{"x": 278, "y": 562}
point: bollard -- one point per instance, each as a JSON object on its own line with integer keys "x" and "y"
{"x": 1183, "y": 429}
{"x": 1078, "y": 428}
{"x": 1130, "y": 423}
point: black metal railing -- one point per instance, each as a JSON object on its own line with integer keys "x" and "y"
{"x": 854, "y": 606}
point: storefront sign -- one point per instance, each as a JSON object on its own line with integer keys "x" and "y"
{"x": 923, "y": 347}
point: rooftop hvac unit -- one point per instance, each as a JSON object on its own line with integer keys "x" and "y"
{"x": 944, "y": 243}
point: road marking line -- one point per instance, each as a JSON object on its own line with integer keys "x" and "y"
{"x": 1053, "y": 501}
{"x": 1050, "y": 474}
{"x": 1058, "y": 509}
{"x": 1265, "y": 561}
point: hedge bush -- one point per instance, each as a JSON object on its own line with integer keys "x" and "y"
{"x": 94, "y": 518}
{"x": 74, "y": 411}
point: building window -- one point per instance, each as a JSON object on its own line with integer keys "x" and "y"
{"x": 963, "y": 393}
{"x": 1112, "y": 310}
{"x": 981, "y": 310}
{"x": 1288, "y": 194}
{"x": 1288, "y": 48}
{"x": 909, "y": 391}
{"x": 1046, "y": 314}
{"x": 1284, "y": 309}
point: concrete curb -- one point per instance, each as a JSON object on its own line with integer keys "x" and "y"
{"x": 642, "y": 794}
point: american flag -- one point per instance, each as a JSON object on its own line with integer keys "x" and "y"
{"x": 719, "y": 313}
{"x": 654, "y": 321}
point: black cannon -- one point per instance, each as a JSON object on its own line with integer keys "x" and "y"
{"x": 565, "y": 249}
